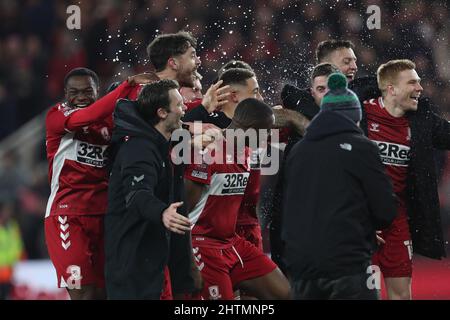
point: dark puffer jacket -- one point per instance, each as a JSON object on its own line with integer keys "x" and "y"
{"x": 336, "y": 195}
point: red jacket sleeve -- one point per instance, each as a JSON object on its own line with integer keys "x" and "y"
{"x": 97, "y": 111}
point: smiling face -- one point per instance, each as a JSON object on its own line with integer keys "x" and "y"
{"x": 80, "y": 91}
{"x": 176, "y": 111}
{"x": 406, "y": 90}
{"x": 186, "y": 67}
{"x": 345, "y": 60}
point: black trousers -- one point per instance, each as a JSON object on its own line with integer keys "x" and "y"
{"x": 352, "y": 287}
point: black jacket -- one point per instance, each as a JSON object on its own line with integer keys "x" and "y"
{"x": 336, "y": 196}
{"x": 428, "y": 132}
{"x": 199, "y": 113}
{"x": 301, "y": 101}
{"x": 140, "y": 189}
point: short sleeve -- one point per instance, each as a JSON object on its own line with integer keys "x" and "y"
{"x": 200, "y": 173}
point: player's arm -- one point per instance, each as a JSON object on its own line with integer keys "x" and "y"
{"x": 196, "y": 177}
{"x": 139, "y": 173}
{"x": 104, "y": 106}
{"x": 291, "y": 119}
{"x": 194, "y": 192}
{"x": 198, "y": 113}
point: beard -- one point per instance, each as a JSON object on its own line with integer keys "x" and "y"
{"x": 186, "y": 78}
{"x": 174, "y": 125}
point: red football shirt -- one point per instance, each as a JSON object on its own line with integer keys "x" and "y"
{"x": 192, "y": 104}
{"x": 77, "y": 141}
{"x": 247, "y": 212}
{"x": 214, "y": 217}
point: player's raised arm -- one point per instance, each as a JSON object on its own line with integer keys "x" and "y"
{"x": 79, "y": 97}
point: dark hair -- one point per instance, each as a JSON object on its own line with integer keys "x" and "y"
{"x": 236, "y": 76}
{"x": 323, "y": 69}
{"x": 252, "y": 113}
{"x": 154, "y": 96}
{"x": 168, "y": 45}
{"x": 81, "y": 72}
{"x": 326, "y": 47}
{"x": 232, "y": 64}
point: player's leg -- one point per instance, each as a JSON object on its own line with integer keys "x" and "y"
{"x": 271, "y": 286}
{"x": 86, "y": 292}
{"x": 350, "y": 287}
{"x": 251, "y": 233}
{"x": 398, "y": 288}
{"x": 257, "y": 275}
{"x": 395, "y": 260}
{"x": 75, "y": 247}
{"x": 167, "y": 286}
{"x": 96, "y": 231}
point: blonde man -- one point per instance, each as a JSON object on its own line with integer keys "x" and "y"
{"x": 406, "y": 130}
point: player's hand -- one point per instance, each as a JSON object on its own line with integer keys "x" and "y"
{"x": 142, "y": 78}
{"x": 380, "y": 240}
{"x": 207, "y": 139}
{"x": 174, "y": 221}
{"x": 201, "y": 141}
{"x": 215, "y": 97}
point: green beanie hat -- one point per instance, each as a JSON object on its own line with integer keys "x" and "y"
{"x": 341, "y": 99}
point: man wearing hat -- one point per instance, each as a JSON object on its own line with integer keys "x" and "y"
{"x": 336, "y": 197}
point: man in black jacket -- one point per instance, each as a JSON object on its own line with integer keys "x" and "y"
{"x": 318, "y": 88}
{"x": 336, "y": 197}
{"x": 140, "y": 196}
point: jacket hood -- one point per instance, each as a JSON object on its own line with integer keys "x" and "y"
{"x": 128, "y": 122}
{"x": 328, "y": 123}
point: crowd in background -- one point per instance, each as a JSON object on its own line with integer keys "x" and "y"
{"x": 276, "y": 37}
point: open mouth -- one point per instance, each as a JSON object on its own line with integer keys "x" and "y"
{"x": 415, "y": 98}
{"x": 81, "y": 105}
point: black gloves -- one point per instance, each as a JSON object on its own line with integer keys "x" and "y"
{"x": 299, "y": 100}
